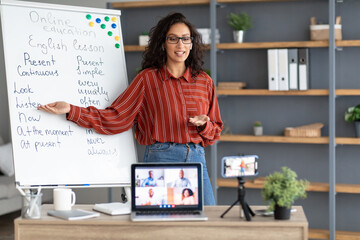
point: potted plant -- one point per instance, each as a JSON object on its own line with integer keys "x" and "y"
{"x": 282, "y": 189}
{"x": 207, "y": 71}
{"x": 144, "y": 39}
{"x": 352, "y": 114}
{"x": 258, "y": 129}
{"x": 240, "y": 23}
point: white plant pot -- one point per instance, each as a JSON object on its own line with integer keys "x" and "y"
{"x": 357, "y": 129}
{"x": 143, "y": 40}
{"x": 239, "y": 36}
{"x": 258, "y": 131}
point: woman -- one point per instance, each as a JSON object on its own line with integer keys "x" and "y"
{"x": 171, "y": 103}
{"x": 188, "y": 197}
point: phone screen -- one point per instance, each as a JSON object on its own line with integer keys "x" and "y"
{"x": 239, "y": 166}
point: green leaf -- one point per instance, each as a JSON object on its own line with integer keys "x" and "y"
{"x": 239, "y": 21}
{"x": 352, "y": 114}
{"x": 283, "y": 188}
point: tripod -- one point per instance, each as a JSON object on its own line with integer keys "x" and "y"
{"x": 241, "y": 199}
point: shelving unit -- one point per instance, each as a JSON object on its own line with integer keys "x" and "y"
{"x": 329, "y": 93}
{"x": 138, "y": 48}
{"x": 137, "y": 4}
{"x": 297, "y": 44}
{"x": 282, "y": 139}
{"x": 134, "y": 48}
{"x": 313, "y": 187}
{"x": 324, "y": 234}
{"x": 266, "y": 45}
{"x": 332, "y": 140}
{"x": 162, "y": 3}
{"x": 273, "y": 139}
{"x": 265, "y": 92}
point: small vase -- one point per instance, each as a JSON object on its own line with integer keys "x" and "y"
{"x": 239, "y": 36}
{"x": 282, "y": 213}
{"x": 258, "y": 131}
{"x": 357, "y": 129}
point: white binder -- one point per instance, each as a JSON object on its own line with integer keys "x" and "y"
{"x": 283, "y": 70}
{"x": 303, "y": 55}
{"x": 273, "y": 70}
{"x": 293, "y": 69}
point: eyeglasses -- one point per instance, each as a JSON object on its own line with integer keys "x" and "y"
{"x": 175, "y": 40}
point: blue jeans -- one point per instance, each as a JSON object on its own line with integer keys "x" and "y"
{"x": 176, "y": 152}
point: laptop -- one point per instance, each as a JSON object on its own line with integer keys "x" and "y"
{"x": 167, "y": 192}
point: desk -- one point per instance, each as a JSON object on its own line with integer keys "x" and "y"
{"x": 120, "y": 227}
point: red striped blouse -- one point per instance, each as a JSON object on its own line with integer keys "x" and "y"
{"x": 159, "y": 106}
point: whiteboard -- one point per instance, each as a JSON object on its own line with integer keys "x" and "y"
{"x": 64, "y": 53}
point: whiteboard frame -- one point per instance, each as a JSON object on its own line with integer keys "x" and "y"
{"x": 59, "y": 7}
{"x": 73, "y": 9}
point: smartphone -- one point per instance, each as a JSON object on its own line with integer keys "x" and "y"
{"x": 239, "y": 166}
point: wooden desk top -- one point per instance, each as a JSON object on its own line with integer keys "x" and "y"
{"x": 120, "y": 227}
{"x": 232, "y": 218}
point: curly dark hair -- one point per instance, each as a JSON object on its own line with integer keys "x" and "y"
{"x": 155, "y": 56}
{"x": 189, "y": 190}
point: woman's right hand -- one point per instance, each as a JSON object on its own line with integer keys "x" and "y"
{"x": 55, "y": 108}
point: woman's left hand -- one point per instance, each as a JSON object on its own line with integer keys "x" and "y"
{"x": 199, "y": 120}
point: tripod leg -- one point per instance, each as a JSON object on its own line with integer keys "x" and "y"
{"x": 250, "y": 210}
{"x": 245, "y": 208}
{"x": 222, "y": 215}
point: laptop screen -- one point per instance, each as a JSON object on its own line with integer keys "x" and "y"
{"x": 166, "y": 186}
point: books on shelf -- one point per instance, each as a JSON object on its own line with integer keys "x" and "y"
{"x": 303, "y": 69}
{"x": 293, "y": 69}
{"x": 283, "y": 70}
{"x": 288, "y": 69}
{"x": 273, "y": 69}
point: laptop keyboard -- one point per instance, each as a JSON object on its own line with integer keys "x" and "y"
{"x": 167, "y": 213}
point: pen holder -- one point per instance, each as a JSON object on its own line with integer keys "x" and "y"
{"x": 31, "y": 206}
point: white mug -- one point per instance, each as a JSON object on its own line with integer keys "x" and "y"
{"x": 64, "y": 199}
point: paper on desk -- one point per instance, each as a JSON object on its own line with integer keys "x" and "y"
{"x": 114, "y": 208}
